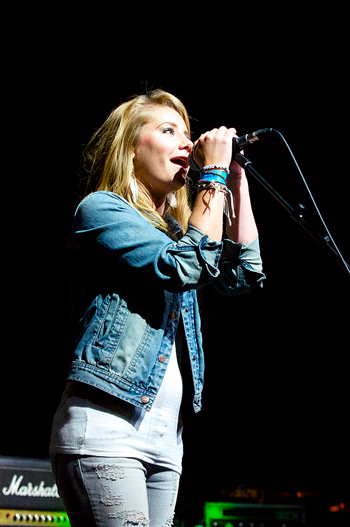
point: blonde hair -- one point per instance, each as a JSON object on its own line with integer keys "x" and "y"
{"x": 108, "y": 157}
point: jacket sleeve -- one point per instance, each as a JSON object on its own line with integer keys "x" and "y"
{"x": 240, "y": 268}
{"x": 113, "y": 233}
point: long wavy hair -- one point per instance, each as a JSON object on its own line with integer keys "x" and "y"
{"x": 107, "y": 159}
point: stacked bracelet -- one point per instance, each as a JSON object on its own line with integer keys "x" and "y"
{"x": 217, "y": 173}
{"x": 213, "y": 177}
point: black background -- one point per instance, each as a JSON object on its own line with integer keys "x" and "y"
{"x": 276, "y": 403}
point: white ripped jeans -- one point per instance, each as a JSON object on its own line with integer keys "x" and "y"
{"x": 115, "y": 492}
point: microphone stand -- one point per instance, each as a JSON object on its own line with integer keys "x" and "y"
{"x": 297, "y": 215}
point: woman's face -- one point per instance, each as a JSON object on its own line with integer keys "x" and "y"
{"x": 161, "y": 153}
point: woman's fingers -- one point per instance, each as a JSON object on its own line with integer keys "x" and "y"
{"x": 215, "y": 147}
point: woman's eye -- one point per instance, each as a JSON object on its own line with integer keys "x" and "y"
{"x": 170, "y": 131}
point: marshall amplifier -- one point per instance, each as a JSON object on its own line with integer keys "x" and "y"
{"x": 28, "y": 493}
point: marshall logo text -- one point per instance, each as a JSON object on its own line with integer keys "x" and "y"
{"x": 29, "y": 490}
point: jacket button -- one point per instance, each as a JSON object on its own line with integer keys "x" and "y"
{"x": 172, "y": 315}
{"x": 187, "y": 309}
{"x": 145, "y": 399}
{"x": 161, "y": 358}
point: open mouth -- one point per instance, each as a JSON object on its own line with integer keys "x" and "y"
{"x": 180, "y": 161}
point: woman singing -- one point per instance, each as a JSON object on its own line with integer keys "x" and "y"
{"x": 139, "y": 256}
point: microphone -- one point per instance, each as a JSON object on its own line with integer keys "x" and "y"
{"x": 238, "y": 144}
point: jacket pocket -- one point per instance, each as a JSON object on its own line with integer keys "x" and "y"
{"x": 106, "y": 320}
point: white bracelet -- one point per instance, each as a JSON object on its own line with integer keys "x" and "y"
{"x": 219, "y": 167}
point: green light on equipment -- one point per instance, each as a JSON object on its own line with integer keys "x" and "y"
{"x": 222, "y": 514}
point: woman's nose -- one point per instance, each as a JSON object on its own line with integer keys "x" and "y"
{"x": 186, "y": 144}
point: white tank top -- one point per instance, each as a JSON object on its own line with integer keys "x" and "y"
{"x": 107, "y": 426}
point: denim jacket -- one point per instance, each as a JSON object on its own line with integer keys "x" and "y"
{"x": 131, "y": 283}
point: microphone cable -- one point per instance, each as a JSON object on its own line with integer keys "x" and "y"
{"x": 330, "y": 237}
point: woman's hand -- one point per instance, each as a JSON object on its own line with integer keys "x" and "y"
{"x": 214, "y": 147}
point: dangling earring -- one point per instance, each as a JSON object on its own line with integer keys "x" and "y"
{"x": 134, "y": 189}
{"x": 171, "y": 198}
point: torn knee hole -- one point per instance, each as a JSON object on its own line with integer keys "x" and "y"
{"x": 111, "y": 472}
